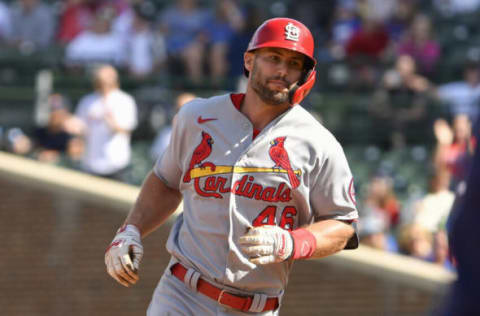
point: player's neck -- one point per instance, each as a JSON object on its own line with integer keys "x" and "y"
{"x": 258, "y": 112}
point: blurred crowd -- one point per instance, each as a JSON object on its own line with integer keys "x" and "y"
{"x": 389, "y": 48}
{"x": 143, "y": 37}
{"x": 205, "y": 39}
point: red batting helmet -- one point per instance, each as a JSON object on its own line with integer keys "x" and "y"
{"x": 293, "y": 35}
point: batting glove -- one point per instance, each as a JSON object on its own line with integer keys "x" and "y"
{"x": 267, "y": 244}
{"x": 123, "y": 256}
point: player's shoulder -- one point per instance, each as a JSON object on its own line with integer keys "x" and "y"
{"x": 205, "y": 106}
{"x": 309, "y": 132}
{"x": 310, "y": 127}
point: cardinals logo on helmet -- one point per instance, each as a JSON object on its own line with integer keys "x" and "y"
{"x": 279, "y": 155}
{"x": 201, "y": 152}
{"x": 292, "y": 33}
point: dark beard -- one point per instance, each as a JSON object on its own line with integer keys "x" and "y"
{"x": 267, "y": 95}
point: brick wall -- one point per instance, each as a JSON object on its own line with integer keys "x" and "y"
{"x": 51, "y": 263}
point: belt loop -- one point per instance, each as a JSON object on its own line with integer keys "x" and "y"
{"x": 258, "y": 303}
{"x": 191, "y": 279}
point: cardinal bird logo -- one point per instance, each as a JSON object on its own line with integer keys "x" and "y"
{"x": 203, "y": 150}
{"x": 280, "y": 157}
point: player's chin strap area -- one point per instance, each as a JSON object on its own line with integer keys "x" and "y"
{"x": 256, "y": 303}
{"x": 302, "y": 88}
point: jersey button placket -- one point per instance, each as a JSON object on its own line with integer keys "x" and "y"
{"x": 233, "y": 209}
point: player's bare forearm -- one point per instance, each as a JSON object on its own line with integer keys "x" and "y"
{"x": 154, "y": 205}
{"x": 331, "y": 236}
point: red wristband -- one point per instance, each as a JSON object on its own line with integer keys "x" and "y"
{"x": 304, "y": 243}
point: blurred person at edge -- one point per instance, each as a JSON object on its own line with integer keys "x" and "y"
{"x": 32, "y": 25}
{"x": 162, "y": 139}
{"x": 464, "y": 238}
{"x": 454, "y": 147}
{"x": 106, "y": 119}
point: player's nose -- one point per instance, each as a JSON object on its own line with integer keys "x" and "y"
{"x": 282, "y": 69}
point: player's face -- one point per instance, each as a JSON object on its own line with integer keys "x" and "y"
{"x": 273, "y": 73}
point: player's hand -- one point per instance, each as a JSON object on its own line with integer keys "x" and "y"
{"x": 267, "y": 244}
{"x": 124, "y": 254}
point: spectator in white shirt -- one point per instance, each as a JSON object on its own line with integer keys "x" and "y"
{"x": 98, "y": 44}
{"x": 106, "y": 119}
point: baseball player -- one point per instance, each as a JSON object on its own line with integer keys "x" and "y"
{"x": 263, "y": 184}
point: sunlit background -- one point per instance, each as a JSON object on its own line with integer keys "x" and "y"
{"x": 398, "y": 85}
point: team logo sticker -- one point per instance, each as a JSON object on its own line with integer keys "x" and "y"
{"x": 292, "y": 33}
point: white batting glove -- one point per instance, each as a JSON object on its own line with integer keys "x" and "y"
{"x": 124, "y": 254}
{"x": 267, "y": 244}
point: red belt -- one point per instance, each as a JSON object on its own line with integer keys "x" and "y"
{"x": 223, "y": 297}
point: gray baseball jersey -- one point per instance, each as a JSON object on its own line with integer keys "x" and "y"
{"x": 292, "y": 173}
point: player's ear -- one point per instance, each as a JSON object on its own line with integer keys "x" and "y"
{"x": 248, "y": 59}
